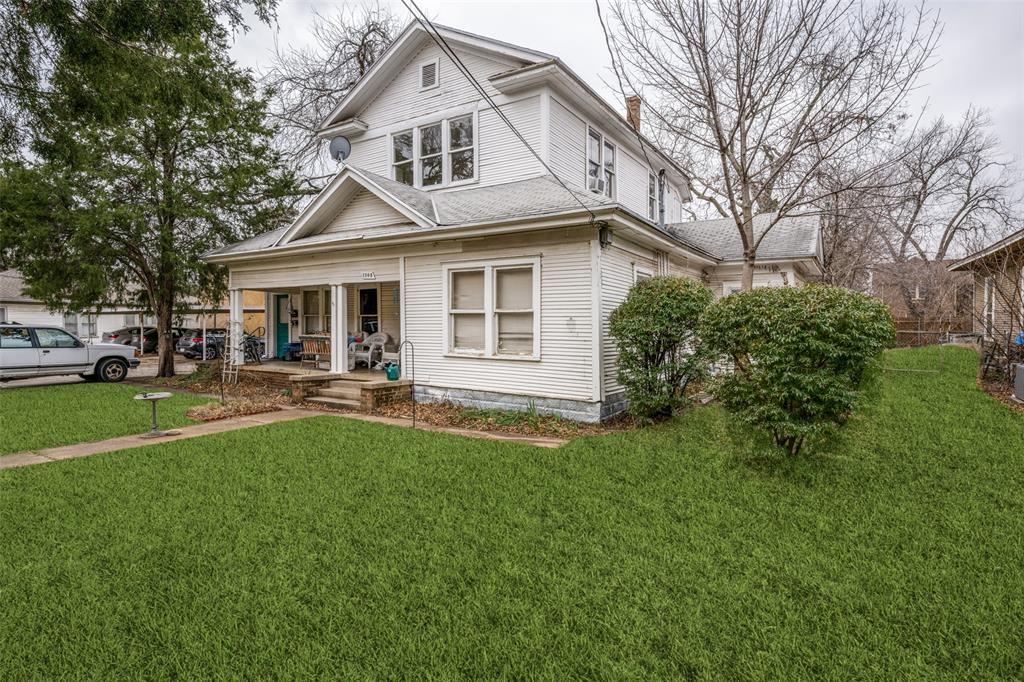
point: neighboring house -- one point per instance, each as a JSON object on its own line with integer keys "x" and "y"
{"x": 926, "y": 290}
{"x": 17, "y": 306}
{"x": 443, "y": 229}
{"x": 998, "y": 272}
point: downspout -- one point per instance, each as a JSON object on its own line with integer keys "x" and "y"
{"x": 661, "y": 198}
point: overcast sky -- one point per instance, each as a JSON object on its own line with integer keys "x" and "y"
{"x": 980, "y": 56}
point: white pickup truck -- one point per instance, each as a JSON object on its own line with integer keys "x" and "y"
{"x": 37, "y": 351}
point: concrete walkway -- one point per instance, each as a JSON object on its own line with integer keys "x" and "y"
{"x": 20, "y": 459}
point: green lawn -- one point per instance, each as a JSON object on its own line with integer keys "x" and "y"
{"x": 334, "y": 548}
{"x": 34, "y": 417}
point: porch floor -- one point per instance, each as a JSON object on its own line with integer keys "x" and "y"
{"x": 293, "y": 369}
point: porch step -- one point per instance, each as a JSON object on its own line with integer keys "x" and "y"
{"x": 334, "y": 402}
{"x": 340, "y": 389}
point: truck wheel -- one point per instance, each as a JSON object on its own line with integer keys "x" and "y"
{"x": 112, "y": 370}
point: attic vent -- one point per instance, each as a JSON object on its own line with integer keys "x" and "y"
{"x": 428, "y": 75}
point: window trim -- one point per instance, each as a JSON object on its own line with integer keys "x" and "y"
{"x": 611, "y": 189}
{"x": 652, "y": 196}
{"x": 446, "y": 151}
{"x": 322, "y": 315}
{"x": 489, "y": 267}
{"x": 989, "y": 308}
{"x": 436, "y": 61}
{"x": 357, "y": 310}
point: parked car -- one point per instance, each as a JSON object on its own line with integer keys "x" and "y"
{"x": 34, "y": 351}
{"x": 129, "y": 336}
{"x": 191, "y": 344}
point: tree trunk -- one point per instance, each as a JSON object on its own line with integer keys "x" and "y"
{"x": 165, "y": 340}
{"x": 747, "y": 280}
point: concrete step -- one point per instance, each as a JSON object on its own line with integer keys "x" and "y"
{"x": 334, "y": 402}
{"x": 337, "y": 390}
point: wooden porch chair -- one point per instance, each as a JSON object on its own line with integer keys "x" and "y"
{"x": 314, "y": 349}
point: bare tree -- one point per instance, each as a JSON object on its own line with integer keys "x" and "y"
{"x": 307, "y": 82}
{"x": 955, "y": 188}
{"x": 764, "y": 92}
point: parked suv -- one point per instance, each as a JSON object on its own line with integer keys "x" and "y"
{"x": 129, "y": 336}
{"x": 33, "y": 351}
{"x": 191, "y": 344}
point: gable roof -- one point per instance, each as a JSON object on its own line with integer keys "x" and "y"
{"x": 412, "y": 37}
{"x": 790, "y": 237}
{"x": 412, "y": 203}
{"x": 1005, "y": 243}
{"x": 12, "y": 286}
{"x": 538, "y": 196}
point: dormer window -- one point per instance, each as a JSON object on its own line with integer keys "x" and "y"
{"x": 430, "y": 74}
{"x": 437, "y": 154}
{"x": 600, "y": 164}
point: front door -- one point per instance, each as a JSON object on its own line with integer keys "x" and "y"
{"x": 281, "y": 335}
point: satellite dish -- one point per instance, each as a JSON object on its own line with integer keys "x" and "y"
{"x": 340, "y": 148}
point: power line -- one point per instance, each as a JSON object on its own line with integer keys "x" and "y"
{"x": 439, "y": 39}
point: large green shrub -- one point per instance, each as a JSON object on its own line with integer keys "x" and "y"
{"x": 655, "y": 330}
{"x": 800, "y": 356}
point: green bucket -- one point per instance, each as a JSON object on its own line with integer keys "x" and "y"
{"x": 394, "y": 372}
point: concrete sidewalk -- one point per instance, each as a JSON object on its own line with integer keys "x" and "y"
{"x": 20, "y": 459}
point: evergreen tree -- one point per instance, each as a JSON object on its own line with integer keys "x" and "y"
{"x": 140, "y": 146}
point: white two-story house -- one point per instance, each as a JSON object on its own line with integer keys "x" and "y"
{"x": 499, "y": 259}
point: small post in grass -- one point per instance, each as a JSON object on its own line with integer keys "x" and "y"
{"x": 154, "y": 432}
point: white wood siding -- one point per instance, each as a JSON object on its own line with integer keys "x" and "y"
{"x": 568, "y": 157}
{"x": 32, "y": 313}
{"x": 402, "y": 100}
{"x": 502, "y": 156}
{"x": 365, "y": 210}
{"x": 565, "y": 369}
{"x": 618, "y": 263}
{"x": 633, "y": 183}
{"x": 371, "y": 154}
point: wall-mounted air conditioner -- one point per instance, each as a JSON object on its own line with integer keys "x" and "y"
{"x": 595, "y": 185}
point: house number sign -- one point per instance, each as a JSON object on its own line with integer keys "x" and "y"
{"x": 369, "y": 275}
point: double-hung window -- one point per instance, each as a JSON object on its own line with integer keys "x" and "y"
{"x": 71, "y": 323}
{"x": 401, "y": 157}
{"x": 652, "y": 196}
{"x": 431, "y": 160}
{"x": 990, "y": 307}
{"x": 600, "y": 164}
{"x": 493, "y": 309}
{"x": 436, "y": 154}
{"x": 311, "y": 312}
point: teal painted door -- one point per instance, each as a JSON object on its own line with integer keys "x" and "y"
{"x": 281, "y": 339}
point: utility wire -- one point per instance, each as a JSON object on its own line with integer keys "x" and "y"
{"x": 439, "y": 39}
{"x": 622, "y": 89}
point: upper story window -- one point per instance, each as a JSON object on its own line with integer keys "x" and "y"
{"x": 436, "y": 154}
{"x": 652, "y": 197}
{"x": 600, "y": 164}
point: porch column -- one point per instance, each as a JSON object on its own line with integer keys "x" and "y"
{"x": 337, "y": 328}
{"x": 236, "y": 325}
{"x": 269, "y": 324}
{"x": 342, "y": 299}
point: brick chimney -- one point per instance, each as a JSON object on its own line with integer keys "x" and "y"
{"x": 633, "y": 111}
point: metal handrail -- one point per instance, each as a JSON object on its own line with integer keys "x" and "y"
{"x": 412, "y": 387}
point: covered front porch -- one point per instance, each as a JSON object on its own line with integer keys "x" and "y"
{"x": 328, "y": 328}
